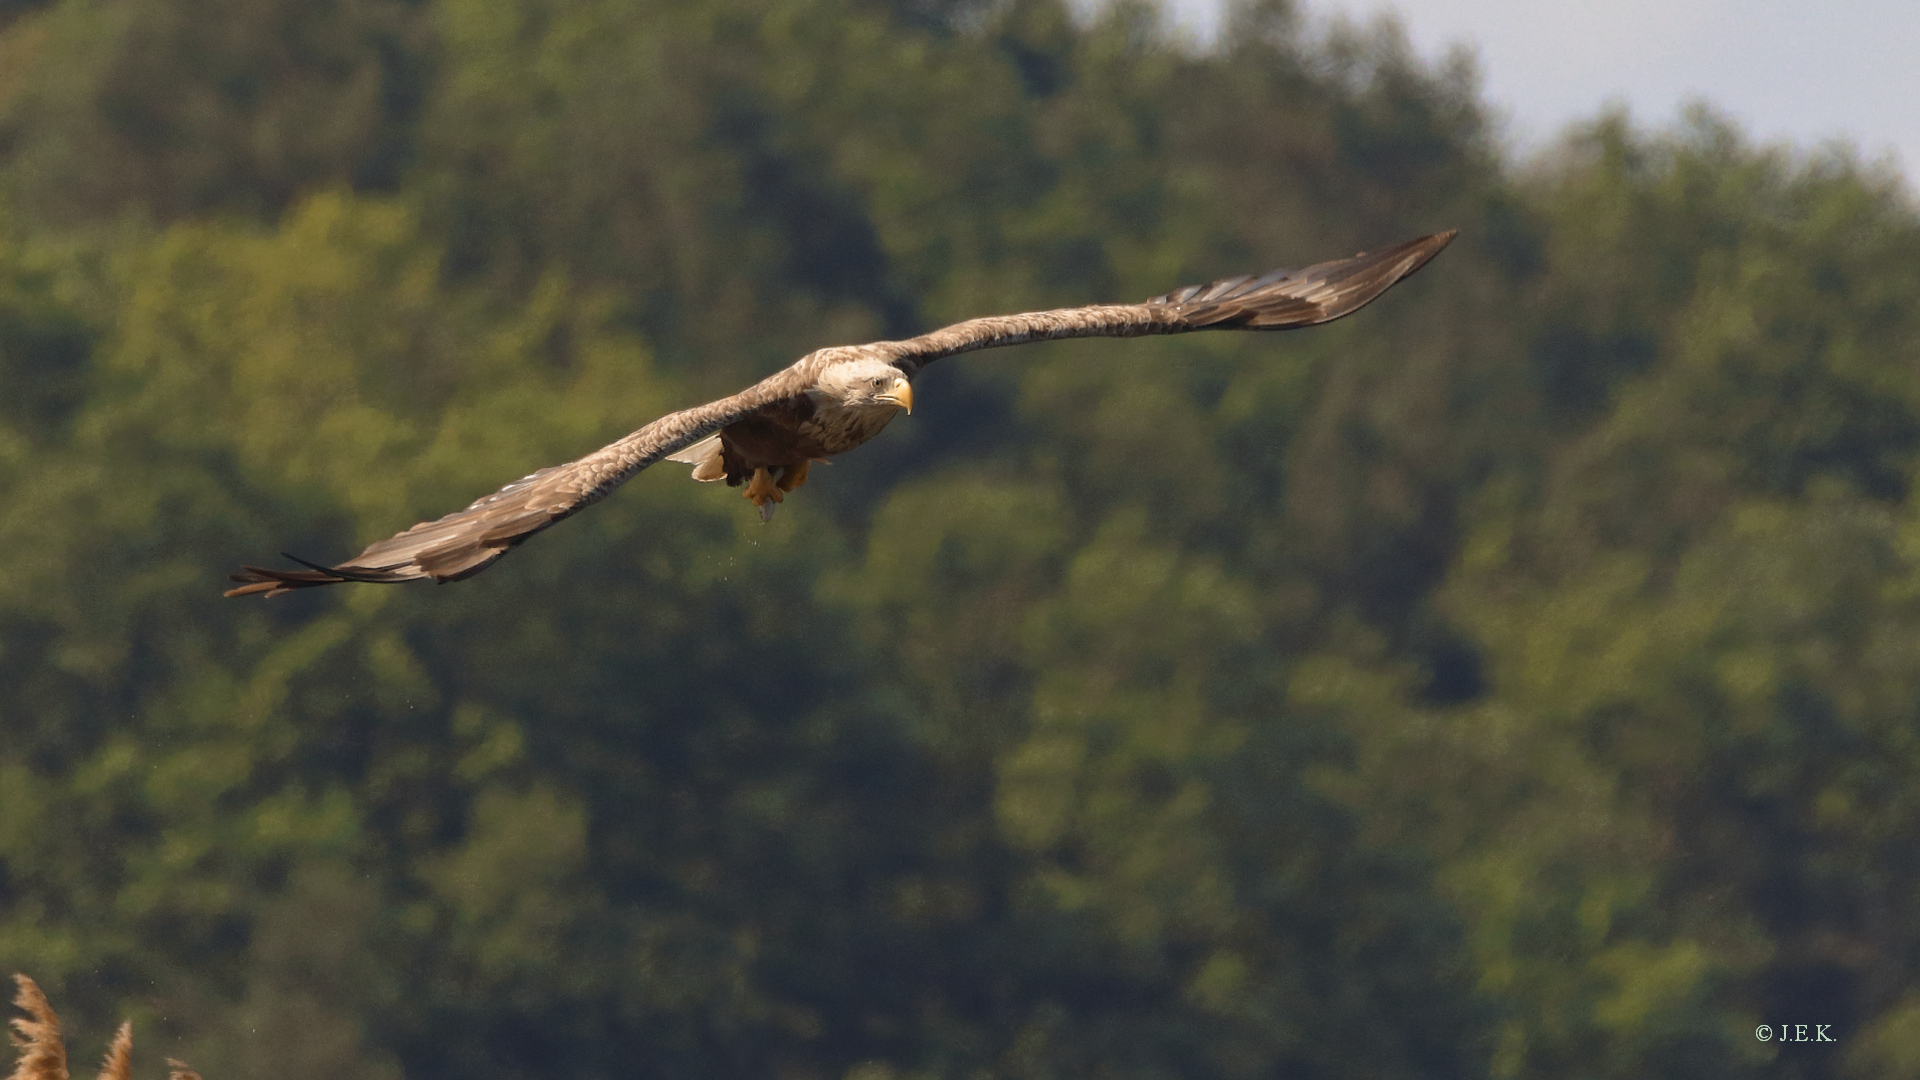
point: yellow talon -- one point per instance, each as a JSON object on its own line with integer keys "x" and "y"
{"x": 761, "y": 489}
{"x": 793, "y": 476}
{"x": 763, "y": 493}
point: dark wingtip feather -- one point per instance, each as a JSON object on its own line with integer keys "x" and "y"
{"x": 260, "y": 579}
{"x": 338, "y": 573}
{"x": 1287, "y": 299}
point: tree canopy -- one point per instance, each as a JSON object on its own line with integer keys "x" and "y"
{"x": 1517, "y": 679}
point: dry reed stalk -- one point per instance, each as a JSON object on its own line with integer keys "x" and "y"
{"x": 44, "y": 1057}
{"x": 119, "y": 1062}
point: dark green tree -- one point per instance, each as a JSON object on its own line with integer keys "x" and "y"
{"x": 1512, "y": 680}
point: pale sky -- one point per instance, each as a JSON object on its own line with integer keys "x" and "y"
{"x": 1800, "y": 71}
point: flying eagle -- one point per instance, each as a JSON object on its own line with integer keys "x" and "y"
{"x": 827, "y": 403}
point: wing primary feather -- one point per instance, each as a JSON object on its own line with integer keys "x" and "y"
{"x": 1226, "y": 288}
{"x": 344, "y": 573}
{"x": 311, "y": 565}
{"x": 1269, "y": 278}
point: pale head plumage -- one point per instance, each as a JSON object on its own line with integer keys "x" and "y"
{"x": 862, "y": 383}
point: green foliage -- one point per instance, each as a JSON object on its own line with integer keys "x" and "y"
{"x": 1512, "y": 680}
{"x": 206, "y": 107}
{"x": 1696, "y": 617}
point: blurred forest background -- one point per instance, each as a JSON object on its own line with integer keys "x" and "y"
{"x": 1518, "y": 679}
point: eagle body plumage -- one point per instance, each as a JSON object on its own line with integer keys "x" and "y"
{"x": 827, "y": 403}
{"x": 814, "y": 425}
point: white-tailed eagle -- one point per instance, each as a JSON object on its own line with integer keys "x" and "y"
{"x": 827, "y": 403}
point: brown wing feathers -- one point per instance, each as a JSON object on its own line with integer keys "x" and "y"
{"x": 450, "y": 548}
{"x": 462, "y": 544}
{"x": 1280, "y": 300}
{"x": 1288, "y": 299}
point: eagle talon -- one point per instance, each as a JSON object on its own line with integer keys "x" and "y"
{"x": 763, "y": 493}
{"x": 793, "y": 476}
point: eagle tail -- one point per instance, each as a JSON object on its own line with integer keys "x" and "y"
{"x": 707, "y": 457}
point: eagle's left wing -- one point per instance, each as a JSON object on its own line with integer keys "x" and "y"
{"x": 1279, "y": 300}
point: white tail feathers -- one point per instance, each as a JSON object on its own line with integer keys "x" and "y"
{"x": 706, "y": 458}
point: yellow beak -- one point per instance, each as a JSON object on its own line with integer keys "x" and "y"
{"x": 900, "y": 395}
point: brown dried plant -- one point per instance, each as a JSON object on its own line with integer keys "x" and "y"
{"x": 119, "y": 1062}
{"x": 44, "y": 1057}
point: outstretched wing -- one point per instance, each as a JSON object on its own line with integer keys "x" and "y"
{"x": 1280, "y": 300}
{"x": 462, "y": 544}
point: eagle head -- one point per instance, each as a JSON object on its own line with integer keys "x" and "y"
{"x": 864, "y": 384}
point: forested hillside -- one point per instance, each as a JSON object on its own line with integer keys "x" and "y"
{"x": 1520, "y": 678}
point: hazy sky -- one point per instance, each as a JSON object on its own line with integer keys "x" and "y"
{"x": 1804, "y": 71}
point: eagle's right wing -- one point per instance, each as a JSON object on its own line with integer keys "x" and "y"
{"x": 462, "y": 544}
